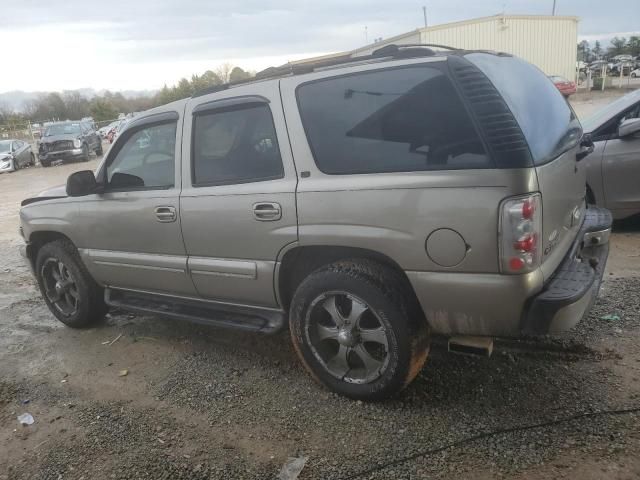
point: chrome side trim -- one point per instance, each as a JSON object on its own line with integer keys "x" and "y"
{"x": 222, "y": 267}
{"x": 141, "y": 267}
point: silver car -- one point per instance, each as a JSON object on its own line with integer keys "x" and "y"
{"x": 15, "y": 154}
{"x": 613, "y": 170}
{"x": 363, "y": 205}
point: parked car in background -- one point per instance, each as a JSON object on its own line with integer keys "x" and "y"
{"x": 566, "y": 87}
{"x": 68, "y": 141}
{"x": 635, "y": 73}
{"x": 597, "y": 66}
{"x": 15, "y": 154}
{"x": 104, "y": 131}
{"x": 613, "y": 169}
{"x": 115, "y": 132}
{"x": 361, "y": 205}
{"x": 625, "y": 67}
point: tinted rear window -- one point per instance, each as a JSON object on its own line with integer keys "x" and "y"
{"x": 393, "y": 120}
{"x": 546, "y": 119}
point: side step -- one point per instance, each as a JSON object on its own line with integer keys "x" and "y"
{"x": 254, "y": 319}
{"x": 466, "y": 345}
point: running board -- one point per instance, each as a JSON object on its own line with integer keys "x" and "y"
{"x": 254, "y": 319}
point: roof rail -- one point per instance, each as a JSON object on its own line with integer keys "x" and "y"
{"x": 391, "y": 50}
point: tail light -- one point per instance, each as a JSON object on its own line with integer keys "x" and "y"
{"x": 520, "y": 233}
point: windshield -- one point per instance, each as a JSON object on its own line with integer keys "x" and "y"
{"x": 546, "y": 119}
{"x": 604, "y": 114}
{"x": 5, "y": 146}
{"x": 62, "y": 129}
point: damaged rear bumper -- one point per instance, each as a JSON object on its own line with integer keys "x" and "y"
{"x": 569, "y": 294}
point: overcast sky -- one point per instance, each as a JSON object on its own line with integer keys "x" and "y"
{"x": 143, "y": 44}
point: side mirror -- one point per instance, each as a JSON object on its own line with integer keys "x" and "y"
{"x": 628, "y": 127}
{"x": 81, "y": 183}
{"x": 586, "y": 147}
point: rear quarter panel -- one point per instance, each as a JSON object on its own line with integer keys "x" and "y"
{"x": 394, "y": 213}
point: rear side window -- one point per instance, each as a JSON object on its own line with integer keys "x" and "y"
{"x": 394, "y": 120}
{"x": 235, "y": 146}
{"x": 546, "y": 119}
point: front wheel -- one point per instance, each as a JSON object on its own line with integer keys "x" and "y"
{"x": 67, "y": 287}
{"x": 358, "y": 331}
{"x": 99, "y": 151}
{"x": 32, "y": 160}
{"x": 85, "y": 152}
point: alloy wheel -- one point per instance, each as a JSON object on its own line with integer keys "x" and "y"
{"x": 60, "y": 287}
{"x": 347, "y": 337}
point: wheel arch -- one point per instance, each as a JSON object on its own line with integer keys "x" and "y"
{"x": 299, "y": 261}
{"x": 39, "y": 238}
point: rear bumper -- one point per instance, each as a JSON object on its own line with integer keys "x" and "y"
{"x": 571, "y": 291}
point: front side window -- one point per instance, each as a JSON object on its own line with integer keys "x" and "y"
{"x": 394, "y": 120}
{"x": 235, "y": 146}
{"x": 146, "y": 160}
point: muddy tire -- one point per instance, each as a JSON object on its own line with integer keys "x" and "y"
{"x": 45, "y": 163}
{"x": 99, "y": 151}
{"x": 67, "y": 287}
{"x": 358, "y": 329}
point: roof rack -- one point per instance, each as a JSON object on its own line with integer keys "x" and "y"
{"x": 392, "y": 50}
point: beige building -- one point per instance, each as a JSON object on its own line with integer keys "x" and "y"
{"x": 546, "y": 41}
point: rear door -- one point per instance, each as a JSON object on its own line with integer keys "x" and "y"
{"x": 237, "y": 204}
{"x": 553, "y": 134}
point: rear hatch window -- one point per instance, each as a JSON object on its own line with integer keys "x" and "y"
{"x": 547, "y": 121}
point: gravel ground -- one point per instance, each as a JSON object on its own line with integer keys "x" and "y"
{"x": 203, "y": 403}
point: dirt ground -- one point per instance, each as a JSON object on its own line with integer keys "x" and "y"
{"x": 203, "y": 403}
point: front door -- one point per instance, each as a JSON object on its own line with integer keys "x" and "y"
{"x": 621, "y": 174}
{"x": 238, "y": 193}
{"x": 130, "y": 234}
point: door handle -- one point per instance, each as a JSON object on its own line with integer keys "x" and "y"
{"x": 166, "y": 214}
{"x": 267, "y": 211}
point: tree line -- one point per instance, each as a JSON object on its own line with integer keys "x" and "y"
{"x": 618, "y": 46}
{"x": 73, "y": 105}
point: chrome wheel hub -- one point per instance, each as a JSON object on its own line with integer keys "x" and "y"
{"x": 347, "y": 337}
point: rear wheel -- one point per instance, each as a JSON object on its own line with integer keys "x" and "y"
{"x": 99, "y": 151}
{"x": 45, "y": 163}
{"x": 357, "y": 331}
{"x": 67, "y": 287}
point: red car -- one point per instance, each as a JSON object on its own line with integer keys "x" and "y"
{"x": 565, "y": 86}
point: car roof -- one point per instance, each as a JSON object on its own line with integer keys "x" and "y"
{"x": 384, "y": 54}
